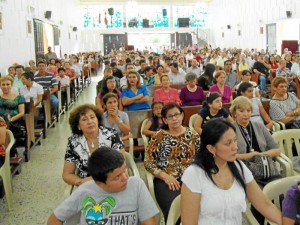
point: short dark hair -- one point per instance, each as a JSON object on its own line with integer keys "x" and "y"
{"x": 41, "y": 62}
{"x": 28, "y": 75}
{"x": 59, "y": 69}
{"x": 79, "y": 111}
{"x": 142, "y": 61}
{"x": 113, "y": 64}
{"x": 103, "y": 161}
{"x": 244, "y": 72}
{"x": 148, "y": 68}
{"x": 243, "y": 87}
{"x": 19, "y": 67}
{"x": 174, "y": 64}
{"x": 166, "y": 109}
{"x": 128, "y": 60}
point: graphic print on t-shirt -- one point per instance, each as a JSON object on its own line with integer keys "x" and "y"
{"x": 97, "y": 213}
{"x": 107, "y": 212}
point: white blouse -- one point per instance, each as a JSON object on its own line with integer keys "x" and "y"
{"x": 217, "y": 206}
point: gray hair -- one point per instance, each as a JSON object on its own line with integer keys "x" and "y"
{"x": 190, "y": 76}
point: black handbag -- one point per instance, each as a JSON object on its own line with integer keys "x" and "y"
{"x": 262, "y": 167}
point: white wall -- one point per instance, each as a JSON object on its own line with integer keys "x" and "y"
{"x": 17, "y": 46}
{"x": 249, "y": 16}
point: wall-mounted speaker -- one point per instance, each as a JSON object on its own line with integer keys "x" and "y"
{"x": 164, "y": 11}
{"x": 183, "y": 22}
{"x": 288, "y": 14}
{"x": 111, "y": 11}
{"x": 48, "y": 14}
{"x": 74, "y": 28}
{"x": 228, "y": 27}
{"x": 145, "y": 23}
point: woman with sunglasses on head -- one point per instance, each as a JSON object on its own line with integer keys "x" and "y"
{"x": 169, "y": 153}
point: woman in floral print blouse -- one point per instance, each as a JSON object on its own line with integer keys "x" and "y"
{"x": 169, "y": 153}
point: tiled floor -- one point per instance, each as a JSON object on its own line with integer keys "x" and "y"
{"x": 40, "y": 188}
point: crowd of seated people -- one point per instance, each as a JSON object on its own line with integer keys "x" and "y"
{"x": 229, "y": 77}
{"x": 166, "y": 75}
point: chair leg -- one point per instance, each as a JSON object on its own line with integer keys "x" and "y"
{"x": 8, "y": 188}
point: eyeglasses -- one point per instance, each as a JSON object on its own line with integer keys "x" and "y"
{"x": 176, "y": 116}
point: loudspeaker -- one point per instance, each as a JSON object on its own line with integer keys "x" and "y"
{"x": 183, "y": 22}
{"x": 48, "y": 14}
{"x": 111, "y": 11}
{"x": 228, "y": 27}
{"x": 288, "y": 14}
{"x": 74, "y": 28}
{"x": 145, "y": 23}
{"x": 164, "y": 12}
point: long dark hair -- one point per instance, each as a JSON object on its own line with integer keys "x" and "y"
{"x": 211, "y": 134}
{"x": 155, "y": 124}
{"x": 209, "y": 71}
{"x": 104, "y": 88}
{"x": 165, "y": 110}
{"x": 210, "y": 97}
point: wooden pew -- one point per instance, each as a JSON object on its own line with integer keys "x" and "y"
{"x": 69, "y": 100}
{"x": 29, "y": 123}
{"x": 151, "y": 89}
{"x": 61, "y": 107}
{"x": 47, "y": 123}
{"x": 136, "y": 119}
{"x": 298, "y": 86}
{"x": 33, "y": 135}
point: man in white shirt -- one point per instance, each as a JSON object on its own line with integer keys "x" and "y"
{"x": 62, "y": 78}
{"x": 194, "y": 68}
{"x": 176, "y": 76}
{"x": 31, "y": 89}
{"x": 189, "y": 57}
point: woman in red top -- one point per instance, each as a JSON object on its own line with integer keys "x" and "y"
{"x": 166, "y": 94}
{"x": 273, "y": 63}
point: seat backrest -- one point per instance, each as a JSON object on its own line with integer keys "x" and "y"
{"x": 136, "y": 119}
{"x": 275, "y": 189}
{"x": 131, "y": 166}
{"x": 285, "y": 139}
{"x": 192, "y": 122}
{"x": 9, "y": 142}
{"x": 174, "y": 212}
{"x": 145, "y": 138}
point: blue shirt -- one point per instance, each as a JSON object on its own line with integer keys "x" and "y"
{"x": 130, "y": 94}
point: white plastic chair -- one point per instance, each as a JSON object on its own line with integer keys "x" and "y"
{"x": 174, "y": 212}
{"x": 5, "y": 171}
{"x": 131, "y": 166}
{"x": 277, "y": 188}
{"x": 150, "y": 184}
{"x": 192, "y": 122}
{"x": 144, "y": 137}
{"x": 285, "y": 139}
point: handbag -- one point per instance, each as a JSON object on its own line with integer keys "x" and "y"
{"x": 262, "y": 167}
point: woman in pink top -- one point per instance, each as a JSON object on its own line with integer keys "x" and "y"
{"x": 221, "y": 88}
{"x": 166, "y": 94}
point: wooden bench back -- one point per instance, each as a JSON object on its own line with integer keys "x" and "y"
{"x": 136, "y": 118}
